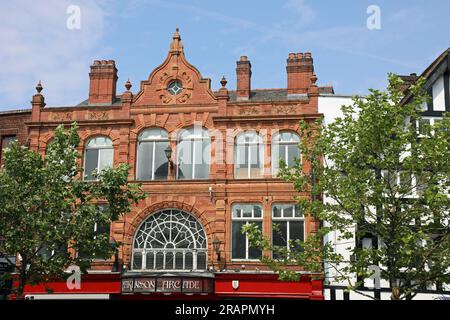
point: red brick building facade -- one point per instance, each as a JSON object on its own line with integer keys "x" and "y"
{"x": 223, "y": 187}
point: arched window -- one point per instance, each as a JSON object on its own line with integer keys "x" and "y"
{"x": 284, "y": 146}
{"x": 194, "y": 154}
{"x": 98, "y": 155}
{"x": 170, "y": 240}
{"x": 248, "y": 156}
{"x": 152, "y": 163}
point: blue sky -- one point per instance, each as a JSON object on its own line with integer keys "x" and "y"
{"x": 37, "y": 45}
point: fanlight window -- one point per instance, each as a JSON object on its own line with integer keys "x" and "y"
{"x": 98, "y": 156}
{"x": 284, "y": 146}
{"x": 170, "y": 240}
{"x": 152, "y": 163}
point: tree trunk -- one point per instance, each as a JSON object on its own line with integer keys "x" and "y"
{"x": 22, "y": 279}
{"x": 395, "y": 293}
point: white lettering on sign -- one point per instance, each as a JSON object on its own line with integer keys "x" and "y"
{"x": 191, "y": 284}
{"x": 144, "y": 284}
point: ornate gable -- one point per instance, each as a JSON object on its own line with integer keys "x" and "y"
{"x": 174, "y": 82}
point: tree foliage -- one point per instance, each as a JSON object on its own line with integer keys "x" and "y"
{"x": 48, "y": 213}
{"x": 383, "y": 176}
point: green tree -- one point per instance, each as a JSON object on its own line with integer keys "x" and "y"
{"x": 387, "y": 178}
{"x": 47, "y": 212}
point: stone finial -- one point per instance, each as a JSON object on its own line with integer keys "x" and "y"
{"x": 128, "y": 85}
{"x": 176, "y": 45}
{"x": 39, "y": 87}
{"x": 313, "y": 79}
{"x": 223, "y": 82}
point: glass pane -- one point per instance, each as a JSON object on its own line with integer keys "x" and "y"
{"x": 276, "y": 212}
{"x": 179, "y": 261}
{"x": 7, "y": 141}
{"x": 288, "y": 211}
{"x": 255, "y": 253}
{"x": 161, "y": 164}
{"x": 169, "y": 261}
{"x": 247, "y": 211}
{"x": 201, "y": 260}
{"x": 185, "y": 160}
{"x": 152, "y": 134}
{"x": 296, "y": 233}
{"x": 145, "y": 153}
{"x": 202, "y": 159}
{"x": 237, "y": 240}
{"x": 188, "y": 261}
{"x": 150, "y": 260}
{"x": 298, "y": 211}
{"x": 237, "y": 212}
{"x": 241, "y": 161}
{"x": 159, "y": 261}
{"x": 296, "y": 230}
{"x": 106, "y": 158}
{"x": 279, "y": 235}
{"x": 103, "y": 229}
{"x": 277, "y": 153}
{"x": 257, "y": 212}
{"x": 293, "y": 153}
{"x": 137, "y": 260}
{"x": 90, "y": 163}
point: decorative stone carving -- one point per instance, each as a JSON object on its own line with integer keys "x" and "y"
{"x": 184, "y": 98}
{"x": 248, "y": 111}
{"x": 61, "y": 116}
{"x": 290, "y": 109}
{"x": 98, "y": 115}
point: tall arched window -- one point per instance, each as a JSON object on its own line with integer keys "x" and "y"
{"x": 248, "y": 156}
{"x": 98, "y": 155}
{"x": 152, "y": 163}
{"x": 194, "y": 154}
{"x": 170, "y": 240}
{"x": 284, "y": 146}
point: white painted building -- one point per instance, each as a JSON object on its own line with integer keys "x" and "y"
{"x": 437, "y": 84}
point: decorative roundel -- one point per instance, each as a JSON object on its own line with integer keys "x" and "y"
{"x": 175, "y": 87}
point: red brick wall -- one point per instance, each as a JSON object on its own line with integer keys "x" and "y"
{"x": 14, "y": 124}
{"x": 152, "y": 106}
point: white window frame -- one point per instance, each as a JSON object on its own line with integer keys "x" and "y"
{"x": 278, "y": 135}
{"x": 248, "y": 221}
{"x": 100, "y": 148}
{"x": 153, "y": 141}
{"x": 257, "y": 141}
{"x": 287, "y": 220}
{"x": 193, "y": 136}
{"x": 432, "y": 123}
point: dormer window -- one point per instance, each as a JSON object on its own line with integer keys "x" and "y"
{"x": 175, "y": 87}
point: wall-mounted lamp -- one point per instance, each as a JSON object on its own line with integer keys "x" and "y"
{"x": 216, "y": 247}
{"x": 168, "y": 152}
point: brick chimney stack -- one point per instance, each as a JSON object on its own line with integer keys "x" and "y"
{"x": 244, "y": 74}
{"x": 103, "y": 80}
{"x": 299, "y": 69}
